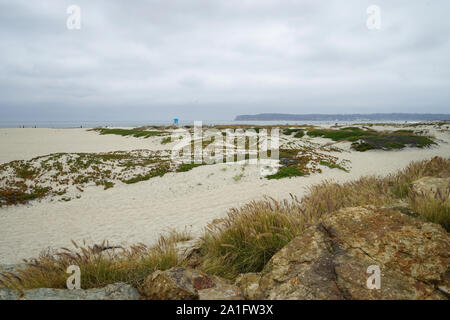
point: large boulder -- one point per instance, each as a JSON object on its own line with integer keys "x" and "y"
{"x": 249, "y": 284}
{"x": 188, "y": 284}
{"x": 331, "y": 260}
{"x": 117, "y": 291}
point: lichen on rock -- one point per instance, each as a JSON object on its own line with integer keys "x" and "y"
{"x": 330, "y": 260}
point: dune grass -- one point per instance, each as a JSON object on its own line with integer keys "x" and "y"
{"x": 246, "y": 239}
{"x": 432, "y": 208}
{"x": 250, "y": 235}
{"x": 175, "y": 236}
{"x": 100, "y": 265}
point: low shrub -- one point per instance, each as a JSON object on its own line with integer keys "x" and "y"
{"x": 286, "y": 172}
{"x": 131, "y": 132}
{"x": 363, "y": 140}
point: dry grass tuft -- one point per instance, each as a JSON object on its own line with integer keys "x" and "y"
{"x": 245, "y": 240}
{"x": 100, "y": 265}
{"x": 249, "y": 236}
{"x": 434, "y": 209}
{"x": 174, "y": 236}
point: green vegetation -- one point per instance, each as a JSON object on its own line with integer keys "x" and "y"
{"x": 286, "y": 172}
{"x": 21, "y": 194}
{"x": 304, "y": 161}
{"x": 332, "y": 165}
{"x": 166, "y": 140}
{"x": 131, "y": 132}
{"x": 159, "y": 171}
{"x": 404, "y": 131}
{"x": 246, "y": 239}
{"x": 23, "y": 181}
{"x": 174, "y": 236}
{"x": 368, "y": 139}
{"x": 24, "y": 171}
{"x": 433, "y": 209}
{"x": 349, "y": 133}
{"x": 108, "y": 184}
{"x": 298, "y": 132}
{"x": 362, "y": 146}
{"x": 100, "y": 265}
{"x": 188, "y": 166}
{"x": 249, "y": 236}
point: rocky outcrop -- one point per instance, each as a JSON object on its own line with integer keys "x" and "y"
{"x": 189, "y": 251}
{"x": 430, "y": 186}
{"x": 188, "y": 284}
{"x": 331, "y": 260}
{"x": 249, "y": 284}
{"x": 117, "y": 291}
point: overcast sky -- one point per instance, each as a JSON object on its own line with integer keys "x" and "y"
{"x": 214, "y": 59}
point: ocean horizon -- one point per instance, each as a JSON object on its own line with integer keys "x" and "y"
{"x": 71, "y": 124}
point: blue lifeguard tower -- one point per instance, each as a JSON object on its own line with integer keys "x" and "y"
{"x": 175, "y": 121}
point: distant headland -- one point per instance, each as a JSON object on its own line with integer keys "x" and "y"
{"x": 344, "y": 117}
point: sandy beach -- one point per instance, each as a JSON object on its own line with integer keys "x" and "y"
{"x": 140, "y": 212}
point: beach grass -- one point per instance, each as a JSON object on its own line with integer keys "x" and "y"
{"x": 246, "y": 239}
{"x": 100, "y": 265}
{"x": 250, "y": 235}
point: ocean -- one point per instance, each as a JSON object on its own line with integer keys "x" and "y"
{"x": 133, "y": 124}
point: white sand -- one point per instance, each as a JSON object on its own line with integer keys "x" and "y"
{"x": 139, "y": 212}
{"x": 24, "y": 144}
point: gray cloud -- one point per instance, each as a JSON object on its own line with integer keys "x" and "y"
{"x": 213, "y": 59}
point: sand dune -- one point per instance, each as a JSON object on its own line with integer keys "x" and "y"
{"x": 139, "y": 212}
